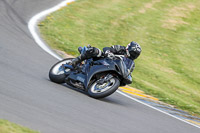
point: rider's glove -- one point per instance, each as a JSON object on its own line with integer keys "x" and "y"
{"x": 119, "y": 49}
{"x": 116, "y": 47}
{"x": 109, "y": 54}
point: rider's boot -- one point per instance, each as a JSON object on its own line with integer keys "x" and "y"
{"x": 90, "y": 53}
{"x": 76, "y": 61}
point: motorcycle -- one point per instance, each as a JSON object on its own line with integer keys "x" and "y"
{"x": 99, "y": 78}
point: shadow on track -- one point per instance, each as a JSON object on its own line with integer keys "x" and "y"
{"x": 115, "y": 100}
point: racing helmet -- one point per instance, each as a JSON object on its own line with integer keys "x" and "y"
{"x": 133, "y": 50}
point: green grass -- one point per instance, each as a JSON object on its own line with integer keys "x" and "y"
{"x": 8, "y": 127}
{"x": 167, "y": 30}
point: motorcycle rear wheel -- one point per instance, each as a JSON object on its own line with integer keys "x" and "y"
{"x": 56, "y": 75}
{"x": 100, "y": 91}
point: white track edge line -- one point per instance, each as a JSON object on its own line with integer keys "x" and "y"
{"x": 35, "y": 19}
{"x": 32, "y": 27}
{"x": 156, "y": 108}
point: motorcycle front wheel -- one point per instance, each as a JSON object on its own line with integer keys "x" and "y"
{"x": 56, "y": 74}
{"x": 97, "y": 90}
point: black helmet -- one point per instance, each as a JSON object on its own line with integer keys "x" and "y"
{"x": 133, "y": 50}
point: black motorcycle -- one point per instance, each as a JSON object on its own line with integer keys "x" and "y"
{"x": 99, "y": 78}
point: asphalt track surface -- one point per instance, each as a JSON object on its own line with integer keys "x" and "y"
{"x": 27, "y": 97}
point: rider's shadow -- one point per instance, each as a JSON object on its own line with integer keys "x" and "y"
{"x": 115, "y": 100}
{"x": 74, "y": 88}
{"x": 110, "y": 99}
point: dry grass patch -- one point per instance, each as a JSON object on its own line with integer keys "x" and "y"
{"x": 164, "y": 69}
{"x": 149, "y": 6}
{"x": 176, "y": 14}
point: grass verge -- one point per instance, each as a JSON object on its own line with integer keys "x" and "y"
{"x": 8, "y": 127}
{"x": 168, "y": 31}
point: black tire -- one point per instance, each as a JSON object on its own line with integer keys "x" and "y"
{"x": 106, "y": 93}
{"x": 54, "y": 74}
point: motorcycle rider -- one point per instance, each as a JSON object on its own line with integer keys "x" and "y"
{"x": 130, "y": 52}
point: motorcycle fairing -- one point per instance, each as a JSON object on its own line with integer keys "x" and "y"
{"x": 105, "y": 65}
